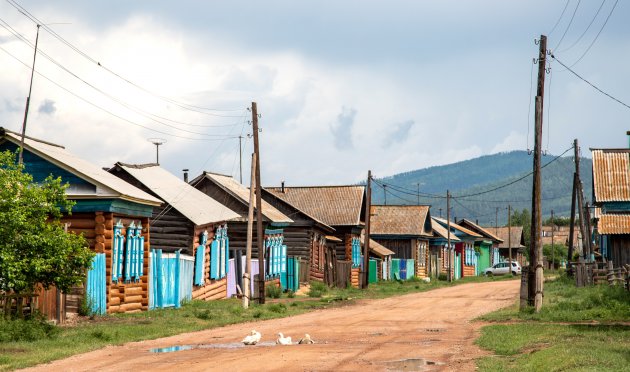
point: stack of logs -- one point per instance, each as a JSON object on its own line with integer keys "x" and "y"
{"x": 354, "y": 277}
{"x": 213, "y": 290}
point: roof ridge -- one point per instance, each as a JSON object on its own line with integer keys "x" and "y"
{"x": 137, "y": 166}
{"x": 4, "y": 130}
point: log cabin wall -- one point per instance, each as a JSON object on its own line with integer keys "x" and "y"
{"x": 400, "y": 247}
{"x": 133, "y": 296}
{"x": 317, "y": 258}
{"x": 212, "y": 289}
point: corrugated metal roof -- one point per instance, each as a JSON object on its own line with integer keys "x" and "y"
{"x": 485, "y": 232}
{"x": 334, "y": 205}
{"x": 611, "y": 224}
{"x": 458, "y": 227}
{"x": 503, "y": 233}
{"x": 400, "y": 220}
{"x": 187, "y": 200}
{"x": 442, "y": 232}
{"x": 611, "y": 175}
{"x": 241, "y": 192}
{"x": 107, "y": 185}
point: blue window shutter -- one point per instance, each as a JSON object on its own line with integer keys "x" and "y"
{"x": 115, "y": 252}
{"x": 128, "y": 248}
{"x": 227, "y": 254}
{"x": 214, "y": 260}
{"x": 141, "y": 255}
{"x": 199, "y": 264}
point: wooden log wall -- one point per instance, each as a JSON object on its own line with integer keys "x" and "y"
{"x": 237, "y": 231}
{"x": 317, "y": 261}
{"x": 469, "y": 270}
{"x": 212, "y": 289}
{"x": 172, "y": 231}
{"x": 124, "y": 297}
{"x": 354, "y": 277}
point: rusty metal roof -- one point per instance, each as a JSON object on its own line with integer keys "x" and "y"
{"x": 458, "y": 227}
{"x": 503, "y": 233}
{"x": 240, "y": 192}
{"x": 333, "y": 205}
{"x": 440, "y": 231}
{"x": 400, "y": 220}
{"x": 611, "y": 175}
{"x": 611, "y": 224}
{"x": 483, "y": 231}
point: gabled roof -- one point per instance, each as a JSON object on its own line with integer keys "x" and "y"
{"x": 378, "y": 249}
{"x": 478, "y": 229}
{"x": 441, "y": 232}
{"x": 321, "y": 223}
{"x": 455, "y": 226}
{"x": 408, "y": 220}
{"x": 503, "y": 233}
{"x": 241, "y": 193}
{"x": 187, "y": 200}
{"x": 611, "y": 224}
{"x": 334, "y": 205}
{"x": 107, "y": 185}
{"x": 611, "y": 175}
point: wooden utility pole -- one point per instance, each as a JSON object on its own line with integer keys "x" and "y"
{"x": 240, "y": 158}
{"x": 510, "y": 237}
{"x": 260, "y": 237}
{"x": 28, "y": 101}
{"x": 535, "y": 279}
{"x": 247, "y": 275}
{"x": 553, "y": 248}
{"x": 385, "y": 193}
{"x": 580, "y": 202}
{"x": 448, "y": 234}
{"x": 366, "y": 242}
{"x": 418, "y": 193}
{"x": 576, "y": 159}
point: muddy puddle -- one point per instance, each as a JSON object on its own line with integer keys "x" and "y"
{"x": 232, "y": 345}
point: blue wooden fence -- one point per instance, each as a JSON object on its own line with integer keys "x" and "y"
{"x": 95, "y": 289}
{"x": 290, "y": 278}
{"x": 170, "y": 279}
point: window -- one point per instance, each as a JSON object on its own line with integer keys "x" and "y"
{"x": 127, "y": 253}
{"x": 219, "y": 253}
{"x": 356, "y": 252}
{"x": 276, "y": 252}
{"x": 200, "y": 259}
{"x": 422, "y": 253}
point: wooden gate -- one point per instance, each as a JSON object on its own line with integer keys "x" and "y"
{"x": 330, "y": 266}
{"x": 343, "y": 270}
{"x": 170, "y": 279}
{"x": 96, "y": 288}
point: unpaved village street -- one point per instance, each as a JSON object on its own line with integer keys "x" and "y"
{"x": 423, "y": 331}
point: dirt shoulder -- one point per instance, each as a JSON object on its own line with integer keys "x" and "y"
{"x": 421, "y": 331}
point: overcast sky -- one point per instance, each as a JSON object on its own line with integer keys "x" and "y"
{"x": 341, "y": 86}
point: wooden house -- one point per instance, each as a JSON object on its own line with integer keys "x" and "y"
{"x": 111, "y": 214}
{"x": 517, "y": 242}
{"x": 341, "y": 207}
{"x": 440, "y": 253}
{"x": 467, "y": 252}
{"x": 189, "y": 224}
{"x": 611, "y": 193}
{"x": 235, "y": 196}
{"x": 405, "y": 230}
{"x": 305, "y": 238}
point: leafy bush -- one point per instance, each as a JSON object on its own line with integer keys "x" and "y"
{"x": 290, "y": 294}
{"x": 278, "y": 308}
{"x": 26, "y": 330}
{"x": 442, "y": 277}
{"x": 273, "y": 291}
{"x": 204, "y": 314}
{"x": 317, "y": 289}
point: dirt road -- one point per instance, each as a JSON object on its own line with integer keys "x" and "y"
{"x": 422, "y": 331}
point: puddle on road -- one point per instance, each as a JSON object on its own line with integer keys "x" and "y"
{"x": 233, "y": 345}
{"x": 412, "y": 364}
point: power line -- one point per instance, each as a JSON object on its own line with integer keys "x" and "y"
{"x": 108, "y": 111}
{"x": 560, "y": 18}
{"x": 588, "y": 82}
{"x": 587, "y": 27}
{"x": 596, "y": 36}
{"x": 199, "y": 109}
{"x": 569, "y": 25}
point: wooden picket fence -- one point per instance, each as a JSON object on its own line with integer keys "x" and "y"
{"x": 595, "y": 273}
{"x": 17, "y": 305}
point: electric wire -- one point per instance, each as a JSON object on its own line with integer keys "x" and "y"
{"x": 559, "y": 18}
{"x": 598, "y": 33}
{"x": 569, "y": 25}
{"x": 589, "y": 83}
{"x": 199, "y": 109}
{"x": 106, "y": 110}
{"x": 587, "y": 27}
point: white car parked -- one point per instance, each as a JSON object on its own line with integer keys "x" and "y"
{"x": 502, "y": 268}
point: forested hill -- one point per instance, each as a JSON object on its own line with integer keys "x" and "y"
{"x": 485, "y": 173}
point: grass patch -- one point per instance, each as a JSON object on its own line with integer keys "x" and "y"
{"x": 30, "y": 343}
{"x": 554, "y": 339}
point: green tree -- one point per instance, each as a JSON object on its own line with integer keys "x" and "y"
{"x": 523, "y": 218}
{"x": 34, "y": 248}
{"x": 558, "y": 252}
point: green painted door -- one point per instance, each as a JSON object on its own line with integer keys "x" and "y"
{"x": 484, "y": 259}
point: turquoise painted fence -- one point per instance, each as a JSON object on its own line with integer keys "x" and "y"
{"x": 170, "y": 279}
{"x": 411, "y": 269}
{"x": 373, "y": 274}
{"x": 96, "y": 285}
{"x": 458, "y": 266}
{"x": 290, "y": 278}
{"x": 395, "y": 272}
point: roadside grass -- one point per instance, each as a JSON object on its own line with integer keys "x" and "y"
{"x": 577, "y": 329}
{"x": 25, "y": 344}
